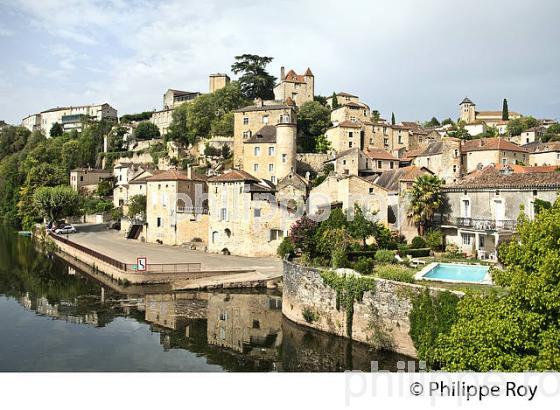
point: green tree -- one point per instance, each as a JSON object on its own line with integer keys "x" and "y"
{"x": 447, "y": 121}
{"x": 137, "y": 206}
{"x": 425, "y": 198}
{"x": 179, "y": 128}
{"x": 362, "y": 225}
{"x": 376, "y": 115}
{"x": 71, "y": 155}
{"x": 322, "y": 144}
{"x": 312, "y": 121}
{"x": 393, "y": 121}
{"x": 505, "y": 110}
{"x": 432, "y": 123}
{"x": 226, "y": 151}
{"x": 302, "y": 235}
{"x": 115, "y": 141}
{"x": 255, "y": 81}
{"x": 334, "y": 103}
{"x": 517, "y": 125}
{"x": 459, "y": 131}
{"x": 58, "y": 202}
{"x": 142, "y": 116}
{"x": 104, "y": 188}
{"x": 320, "y": 99}
{"x": 56, "y": 130}
{"x": 146, "y": 131}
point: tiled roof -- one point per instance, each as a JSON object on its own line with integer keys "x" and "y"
{"x": 344, "y": 153}
{"x": 343, "y": 94}
{"x": 536, "y": 147}
{"x": 266, "y": 134}
{"x": 278, "y": 106}
{"x": 495, "y": 113}
{"x": 235, "y": 175}
{"x": 175, "y": 175}
{"x": 491, "y": 144}
{"x": 292, "y": 77}
{"x": 493, "y": 177}
{"x": 139, "y": 179}
{"x": 375, "y": 153}
{"x": 466, "y": 101}
{"x": 349, "y": 124}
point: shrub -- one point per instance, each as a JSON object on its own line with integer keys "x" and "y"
{"x": 419, "y": 253}
{"x": 434, "y": 239}
{"x": 363, "y": 265}
{"x": 395, "y": 272}
{"x": 339, "y": 258}
{"x": 309, "y": 315}
{"x": 452, "y": 251}
{"x": 402, "y": 249}
{"x": 384, "y": 256}
{"x": 286, "y": 248}
{"x": 417, "y": 243}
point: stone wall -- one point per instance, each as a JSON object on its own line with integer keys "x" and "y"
{"x": 380, "y": 319}
{"x": 311, "y": 162}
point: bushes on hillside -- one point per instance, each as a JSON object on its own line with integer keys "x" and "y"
{"x": 384, "y": 256}
{"x": 397, "y": 273}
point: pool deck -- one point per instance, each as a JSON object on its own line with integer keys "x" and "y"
{"x": 421, "y": 274}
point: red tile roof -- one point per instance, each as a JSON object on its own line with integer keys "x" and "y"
{"x": 235, "y": 175}
{"x": 491, "y": 144}
{"x": 375, "y": 153}
{"x": 492, "y": 177}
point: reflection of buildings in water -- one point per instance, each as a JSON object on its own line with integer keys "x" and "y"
{"x": 247, "y": 323}
{"x": 172, "y": 310}
{"x": 63, "y": 310}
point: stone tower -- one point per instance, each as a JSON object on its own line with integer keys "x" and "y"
{"x": 218, "y": 81}
{"x": 467, "y": 111}
{"x": 310, "y": 80}
{"x": 285, "y": 149}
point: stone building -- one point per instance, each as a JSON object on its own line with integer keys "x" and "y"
{"x": 481, "y": 152}
{"x": 345, "y": 135}
{"x": 70, "y": 118}
{"x": 355, "y": 161}
{"x": 469, "y": 115}
{"x": 345, "y": 191}
{"x": 87, "y": 179}
{"x": 533, "y": 134}
{"x": 543, "y": 153}
{"x": 218, "y": 81}
{"x": 162, "y": 119}
{"x": 391, "y": 138}
{"x": 270, "y": 153}
{"x": 245, "y": 217}
{"x": 483, "y": 208}
{"x": 173, "y": 98}
{"x": 351, "y": 111}
{"x": 176, "y": 208}
{"x": 443, "y": 158}
{"x": 250, "y": 120}
{"x": 299, "y": 88}
{"x": 342, "y": 98}
{"x": 130, "y": 180}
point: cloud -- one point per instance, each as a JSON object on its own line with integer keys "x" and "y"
{"x": 417, "y": 59}
{"x": 4, "y": 32}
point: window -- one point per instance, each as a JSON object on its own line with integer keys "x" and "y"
{"x": 350, "y": 134}
{"x": 255, "y": 167}
{"x": 223, "y": 214}
{"x": 257, "y": 212}
{"x": 379, "y": 164}
{"x": 386, "y": 142}
{"x": 284, "y": 158}
{"x": 285, "y": 118}
{"x": 270, "y": 167}
{"x": 270, "y": 151}
{"x": 466, "y": 208}
{"x": 370, "y": 191}
{"x": 456, "y": 153}
{"x": 158, "y": 222}
{"x": 247, "y": 134}
{"x": 265, "y": 119}
{"x": 164, "y": 199}
{"x": 467, "y": 238}
{"x": 481, "y": 241}
{"x": 391, "y": 165}
{"x": 273, "y": 179}
{"x": 454, "y": 168}
{"x": 350, "y": 144}
{"x": 257, "y": 151}
{"x": 343, "y": 162}
{"x": 276, "y": 234}
{"x": 352, "y": 118}
{"x": 504, "y": 161}
{"x": 81, "y": 178}
{"x": 400, "y": 139}
{"x": 245, "y": 120}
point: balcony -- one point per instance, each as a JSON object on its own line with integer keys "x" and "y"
{"x": 482, "y": 224}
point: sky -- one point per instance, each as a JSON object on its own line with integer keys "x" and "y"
{"x": 416, "y": 58}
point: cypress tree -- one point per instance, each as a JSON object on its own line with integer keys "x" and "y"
{"x": 393, "y": 122}
{"x": 505, "y": 110}
{"x": 335, "y": 103}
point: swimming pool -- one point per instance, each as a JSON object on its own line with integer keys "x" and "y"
{"x": 456, "y": 272}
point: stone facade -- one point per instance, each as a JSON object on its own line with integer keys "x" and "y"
{"x": 218, "y": 81}
{"x": 381, "y": 318}
{"x": 162, "y": 119}
{"x": 173, "y": 98}
{"x": 298, "y": 88}
{"x": 443, "y": 158}
{"x": 87, "y": 178}
{"x": 311, "y": 162}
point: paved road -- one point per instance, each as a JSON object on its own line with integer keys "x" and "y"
{"x": 111, "y": 243}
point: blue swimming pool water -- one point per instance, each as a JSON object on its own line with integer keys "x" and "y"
{"x": 458, "y": 272}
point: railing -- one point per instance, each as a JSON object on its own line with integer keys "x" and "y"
{"x": 132, "y": 267}
{"x": 483, "y": 224}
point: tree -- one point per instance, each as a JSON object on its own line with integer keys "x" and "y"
{"x": 322, "y": 144}
{"x": 56, "y": 130}
{"x": 425, "y": 199}
{"x": 505, "y": 110}
{"x": 302, "y": 235}
{"x": 255, "y": 81}
{"x": 55, "y": 203}
{"x": 142, "y": 116}
{"x": 115, "y": 141}
{"x": 146, "y": 131}
{"x": 432, "y": 123}
{"x": 320, "y": 99}
{"x": 137, "y": 206}
{"x": 312, "y": 121}
{"x": 104, "y": 188}
{"x": 447, "y": 121}
{"x": 519, "y": 329}
{"x": 376, "y": 115}
{"x": 361, "y": 226}
{"x": 226, "y": 151}
{"x": 518, "y": 125}
{"x": 459, "y": 131}
{"x": 393, "y": 121}
{"x": 70, "y": 155}
{"x": 334, "y": 103}
{"x": 179, "y": 128}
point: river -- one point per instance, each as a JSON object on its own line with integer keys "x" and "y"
{"x": 56, "y": 317}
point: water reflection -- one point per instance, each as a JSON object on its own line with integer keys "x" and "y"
{"x": 232, "y": 331}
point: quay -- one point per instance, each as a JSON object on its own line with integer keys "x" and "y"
{"x": 182, "y": 269}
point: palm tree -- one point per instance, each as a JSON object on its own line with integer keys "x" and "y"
{"x": 425, "y": 199}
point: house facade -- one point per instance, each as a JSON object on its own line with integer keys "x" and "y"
{"x": 298, "y": 88}
{"x": 479, "y": 153}
{"x": 544, "y": 153}
{"x": 87, "y": 178}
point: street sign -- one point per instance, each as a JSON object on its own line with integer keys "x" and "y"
{"x": 141, "y": 264}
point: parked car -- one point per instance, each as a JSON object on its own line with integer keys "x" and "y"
{"x": 66, "y": 229}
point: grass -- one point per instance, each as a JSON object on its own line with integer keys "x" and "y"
{"x": 463, "y": 287}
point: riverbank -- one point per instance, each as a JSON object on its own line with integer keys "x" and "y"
{"x": 107, "y": 252}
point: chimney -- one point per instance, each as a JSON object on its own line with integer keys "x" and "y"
{"x": 282, "y": 73}
{"x": 189, "y": 172}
